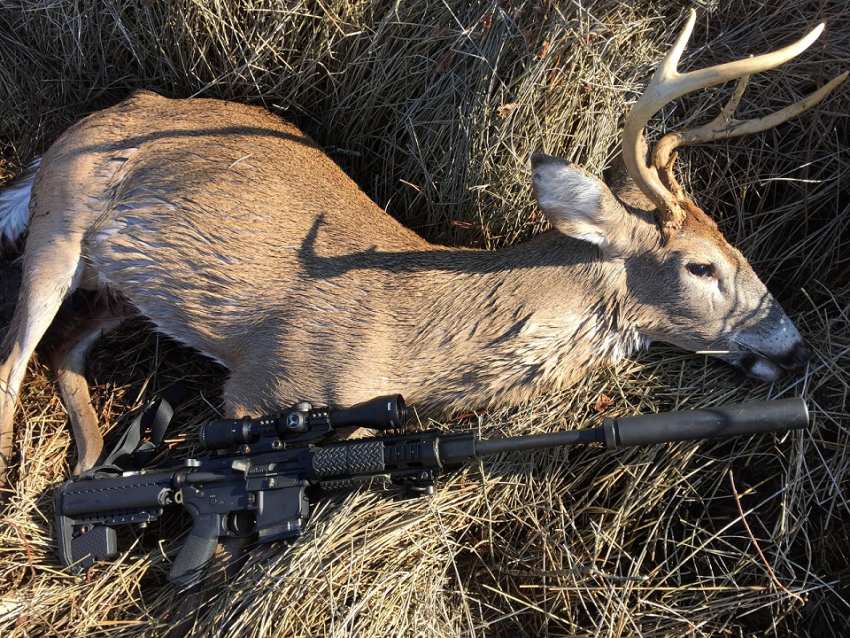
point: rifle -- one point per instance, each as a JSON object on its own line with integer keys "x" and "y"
{"x": 264, "y": 487}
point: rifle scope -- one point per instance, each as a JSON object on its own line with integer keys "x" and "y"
{"x": 381, "y": 413}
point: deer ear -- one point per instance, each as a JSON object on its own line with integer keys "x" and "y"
{"x": 577, "y": 204}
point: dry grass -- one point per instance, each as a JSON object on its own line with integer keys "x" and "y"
{"x": 405, "y": 96}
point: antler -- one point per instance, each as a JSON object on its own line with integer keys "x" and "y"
{"x": 667, "y": 84}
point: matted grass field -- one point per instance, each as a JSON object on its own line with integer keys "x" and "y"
{"x": 433, "y": 107}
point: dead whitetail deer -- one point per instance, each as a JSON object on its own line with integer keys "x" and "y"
{"x": 234, "y": 233}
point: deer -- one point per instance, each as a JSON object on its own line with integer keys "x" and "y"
{"x": 234, "y": 233}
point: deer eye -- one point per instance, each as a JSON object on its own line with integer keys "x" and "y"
{"x": 701, "y": 270}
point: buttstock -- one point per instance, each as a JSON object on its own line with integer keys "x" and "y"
{"x": 87, "y": 510}
{"x": 80, "y": 552}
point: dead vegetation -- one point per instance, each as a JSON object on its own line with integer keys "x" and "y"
{"x": 434, "y": 108}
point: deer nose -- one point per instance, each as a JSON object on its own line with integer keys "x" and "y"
{"x": 796, "y": 358}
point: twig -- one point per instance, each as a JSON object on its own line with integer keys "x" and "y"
{"x": 755, "y": 542}
{"x": 26, "y": 544}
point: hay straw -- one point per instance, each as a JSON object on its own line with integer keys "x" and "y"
{"x": 434, "y": 107}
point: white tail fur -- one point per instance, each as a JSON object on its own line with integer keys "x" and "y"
{"x": 14, "y": 204}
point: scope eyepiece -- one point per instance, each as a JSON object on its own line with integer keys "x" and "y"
{"x": 226, "y": 434}
{"x": 223, "y": 434}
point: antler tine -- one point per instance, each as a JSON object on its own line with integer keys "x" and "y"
{"x": 725, "y": 126}
{"x": 666, "y": 85}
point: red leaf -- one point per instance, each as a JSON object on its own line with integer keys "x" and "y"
{"x": 604, "y": 403}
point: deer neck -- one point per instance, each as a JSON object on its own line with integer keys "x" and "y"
{"x": 529, "y": 319}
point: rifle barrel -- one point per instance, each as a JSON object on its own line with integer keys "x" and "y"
{"x": 485, "y": 447}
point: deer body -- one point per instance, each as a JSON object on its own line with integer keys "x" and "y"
{"x": 235, "y": 234}
{"x": 228, "y": 244}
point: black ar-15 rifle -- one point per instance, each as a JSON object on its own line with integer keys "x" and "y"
{"x": 263, "y": 488}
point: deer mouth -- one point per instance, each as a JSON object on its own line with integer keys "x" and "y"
{"x": 757, "y": 366}
{"x": 768, "y": 367}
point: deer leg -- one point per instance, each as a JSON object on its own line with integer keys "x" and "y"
{"x": 69, "y": 361}
{"x": 45, "y": 285}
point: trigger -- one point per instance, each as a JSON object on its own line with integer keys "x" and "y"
{"x": 240, "y": 522}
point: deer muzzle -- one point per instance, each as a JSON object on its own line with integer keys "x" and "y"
{"x": 766, "y": 354}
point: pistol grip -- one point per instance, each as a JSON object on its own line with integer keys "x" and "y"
{"x": 197, "y": 550}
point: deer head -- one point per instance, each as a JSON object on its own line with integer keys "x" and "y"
{"x": 686, "y": 285}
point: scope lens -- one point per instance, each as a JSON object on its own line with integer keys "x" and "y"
{"x": 381, "y": 413}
